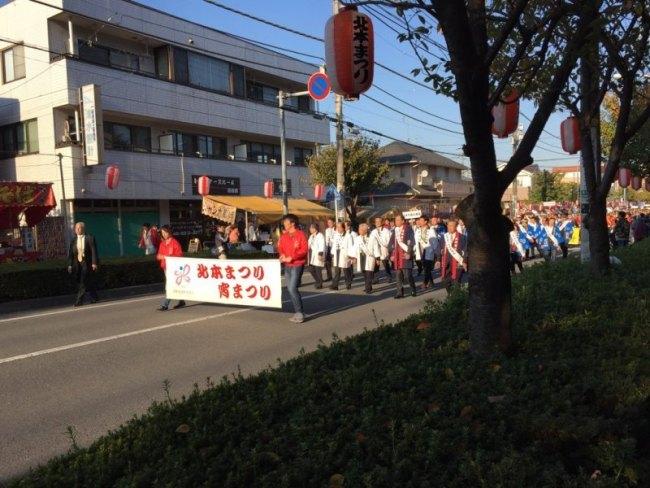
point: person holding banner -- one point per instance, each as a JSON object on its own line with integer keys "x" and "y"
{"x": 293, "y": 249}
{"x": 169, "y": 247}
{"x": 316, "y": 245}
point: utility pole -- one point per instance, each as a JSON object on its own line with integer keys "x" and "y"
{"x": 283, "y": 153}
{"x": 517, "y": 135}
{"x": 64, "y": 204}
{"x": 338, "y": 104}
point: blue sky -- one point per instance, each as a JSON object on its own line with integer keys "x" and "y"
{"x": 310, "y": 16}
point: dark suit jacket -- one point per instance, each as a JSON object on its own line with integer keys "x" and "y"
{"x": 409, "y": 239}
{"x": 90, "y": 252}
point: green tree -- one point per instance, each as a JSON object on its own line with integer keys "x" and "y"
{"x": 363, "y": 170}
{"x": 547, "y": 186}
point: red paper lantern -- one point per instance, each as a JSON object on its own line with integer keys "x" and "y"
{"x": 112, "y": 177}
{"x": 570, "y": 135}
{"x": 624, "y": 177}
{"x": 349, "y": 52}
{"x": 506, "y": 115}
{"x": 203, "y": 185}
{"x": 636, "y": 183}
{"x": 268, "y": 188}
{"x": 319, "y": 191}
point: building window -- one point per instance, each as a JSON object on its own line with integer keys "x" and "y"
{"x": 402, "y": 171}
{"x": 124, "y": 60}
{"x": 93, "y": 53}
{"x": 193, "y": 145}
{"x": 181, "y": 73}
{"x": 264, "y": 93}
{"x": 263, "y": 153}
{"x": 277, "y": 186}
{"x": 161, "y": 56}
{"x": 13, "y": 64}
{"x": 301, "y": 155}
{"x": 209, "y": 73}
{"x": 238, "y": 80}
{"x": 446, "y": 172}
{"x": 127, "y": 137}
{"x": 18, "y": 139}
{"x": 304, "y": 104}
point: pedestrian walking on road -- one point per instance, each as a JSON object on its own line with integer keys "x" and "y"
{"x": 316, "y": 254}
{"x": 293, "y": 249}
{"x": 149, "y": 239}
{"x": 169, "y": 247}
{"x": 403, "y": 242}
{"x": 453, "y": 256}
{"x": 83, "y": 261}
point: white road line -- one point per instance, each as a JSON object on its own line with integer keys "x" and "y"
{"x": 138, "y": 332}
{"x": 81, "y": 309}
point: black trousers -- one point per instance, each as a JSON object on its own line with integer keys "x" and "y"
{"x": 347, "y": 274}
{"x": 449, "y": 282}
{"x": 565, "y": 249}
{"x": 328, "y": 263}
{"x": 401, "y": 274}
{"x": 515, "y": 260}
{"x": 317, "y": 273}
{"x": 85, "y": 278}
{"x": 427, "y": 265}
{"x": 368, "y": 277}
{"x": 420, "y": 265}
{"x": 387, "y": 267}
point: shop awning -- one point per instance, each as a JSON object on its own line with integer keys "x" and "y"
{"x": 33, "y": 200}
{"x": 267, "y": 210}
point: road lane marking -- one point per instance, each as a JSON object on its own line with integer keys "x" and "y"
{"x": 90, "y": 342}
{"x": 81, "y": 309}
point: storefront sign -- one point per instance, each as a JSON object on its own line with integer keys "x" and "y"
{"x": 250, "y": 282}
{"x": 93, "y": 135}
{"x": 219, "y": 185}
{"x": 219, "y": 211}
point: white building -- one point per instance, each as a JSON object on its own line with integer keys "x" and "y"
{"x": 524, "y": 183}
{"x": 176, "y": 100}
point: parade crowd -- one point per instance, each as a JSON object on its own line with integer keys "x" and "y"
{"x": 334, "y": 251}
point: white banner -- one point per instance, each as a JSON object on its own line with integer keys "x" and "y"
{"x": 249, "y": 282}
{"x": 412, "y": 214}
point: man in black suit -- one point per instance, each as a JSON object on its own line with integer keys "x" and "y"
{"x": 82, "y": 263}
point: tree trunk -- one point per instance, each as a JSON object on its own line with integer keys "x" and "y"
{"x": 490, "y": 291}
{"x": 598, "y": 237}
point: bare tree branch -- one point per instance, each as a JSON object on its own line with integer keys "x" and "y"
{"x": 507, "y": 29}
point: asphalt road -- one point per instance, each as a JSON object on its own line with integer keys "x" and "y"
{"x": 95, "y": 367}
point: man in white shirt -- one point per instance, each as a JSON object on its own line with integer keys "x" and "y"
{"x": 342, "y": 248}
{"x": 366, "y": 254}
{"x": 329, "y": 234}
{"x": 316, "y": 254}
{"x": 381, "y": 235}
{"x": 82, "y": 263}
{"x": 426, "y": 248}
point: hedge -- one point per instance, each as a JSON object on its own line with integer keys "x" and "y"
{"x": 407, "y": 406}
{"x": 19, "y": 281}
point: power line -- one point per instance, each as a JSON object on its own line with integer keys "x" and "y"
{"x": 543, "y": 130}
{"x": 415, "y": 106}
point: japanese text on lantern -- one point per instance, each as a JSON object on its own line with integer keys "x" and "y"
{"x": 360, "y": 38}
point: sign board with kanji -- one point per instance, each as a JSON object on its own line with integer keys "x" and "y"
{"x": 250, "y": 282}
{"x": 412, "y": 214}
{"x": 219, "y": 211}
{"x": 319, "y": 86}
{"x": 219, "y": 185}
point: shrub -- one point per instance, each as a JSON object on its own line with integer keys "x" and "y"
{"x": 405, "y": 405}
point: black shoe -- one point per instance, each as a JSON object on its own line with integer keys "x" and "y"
{"x": 368, "y": 292}
{"x": 78, "y": 304}
{"x": 414, "y": 294}
{"x": 398, "y": 296}
{"x": 94, "y": 300}
{"x": 348, "y": 287}
{"x": 180, "y": 304}
{"x": 318, "y": 287}
{"x": 163, "y": 309}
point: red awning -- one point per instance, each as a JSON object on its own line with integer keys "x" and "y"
{"x": 34, "y": 199}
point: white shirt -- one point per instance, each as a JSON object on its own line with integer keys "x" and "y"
{"x": 316, "y": 245}
{"x": 381, "y": 236}
{"x": 329, "y": 235}
{"x": 81, "y": 246}
{"x": 368, "y": 247}
{"x": 344, "y": 245}
{"x": 427, "y": 244}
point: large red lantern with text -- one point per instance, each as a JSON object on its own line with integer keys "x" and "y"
{"x": 319, "y": 191}
{"x": 268, "y": 188}
{"x": 349, "y": 52}
{"x": 112, "y": 177}
{"x": 570, "y": 135}
{"x": 506, "y": 115}
{"x": 636, "y": 183}
{"x": 203, "y": 185}
{"x": 624, "y": 177}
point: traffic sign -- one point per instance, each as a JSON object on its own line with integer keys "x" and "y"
{"x": 319, "y": 86}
